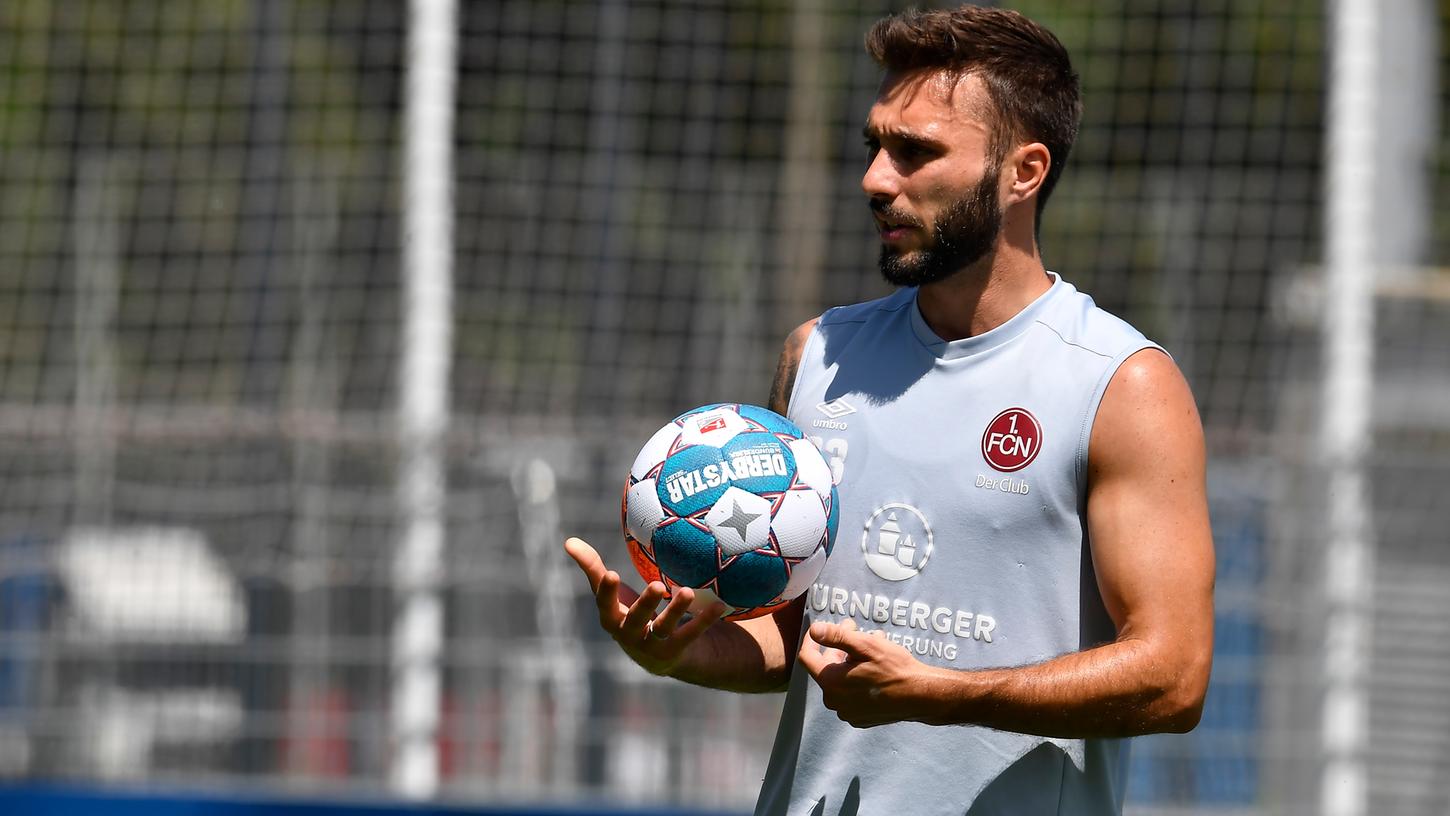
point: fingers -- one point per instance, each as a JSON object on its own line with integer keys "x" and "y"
{"x": 810, "y": 656}
{"x": 642, "y": 611}
{"x": 606, "y": 597}
{"x": 827, "y": 644}
{"x": 835, "y": 651}
{"x": 631, "y": 616}
{"x": 669, "y": 620}
{"x": 843, "y": 636}
{"x": 588, "y": 560}
{"x": 692, "y": 628}
{"x": 611, "y": 594}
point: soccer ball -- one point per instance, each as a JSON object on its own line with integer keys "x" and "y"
{"x": 735, "y": 502}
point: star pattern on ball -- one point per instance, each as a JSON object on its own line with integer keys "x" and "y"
{"x": 739, "y": 519}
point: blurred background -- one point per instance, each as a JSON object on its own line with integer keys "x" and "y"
{"x": 323, "y": 322}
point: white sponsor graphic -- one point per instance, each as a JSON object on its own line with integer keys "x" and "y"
{"x": 938, "y": 629}
{"x": 897, "y": 542}
{"x": 1005, "y": 484}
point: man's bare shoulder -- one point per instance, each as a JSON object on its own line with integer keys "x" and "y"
{"x": 788, "y": 365}
{"x": 1147, "y": 412}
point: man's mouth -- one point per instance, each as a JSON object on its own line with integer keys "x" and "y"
{"x": 892, "y": 224}
{"x": 893, "y": 230}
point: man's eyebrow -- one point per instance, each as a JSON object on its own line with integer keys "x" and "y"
{"x": 902, "y": 134}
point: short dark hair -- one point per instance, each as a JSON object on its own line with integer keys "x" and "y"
{"x": 1026, "y": 69}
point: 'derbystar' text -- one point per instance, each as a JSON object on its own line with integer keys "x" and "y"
{"x": 743, "y": 465}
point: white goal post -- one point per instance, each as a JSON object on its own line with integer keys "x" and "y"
{"x": 1348, "y": 332}
{"x": 427, "y": 349}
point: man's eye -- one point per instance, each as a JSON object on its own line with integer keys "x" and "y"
{"x": 913, "y": 152}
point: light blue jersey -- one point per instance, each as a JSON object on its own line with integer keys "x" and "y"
{"x": 962, "y": 470}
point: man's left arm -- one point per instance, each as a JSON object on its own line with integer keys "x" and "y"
{"x": 1153, "y": 554}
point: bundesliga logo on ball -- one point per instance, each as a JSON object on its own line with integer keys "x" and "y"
{"x": 735, "y": 502}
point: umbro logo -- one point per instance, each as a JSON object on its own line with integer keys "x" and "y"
{"x": 835, "y": 409}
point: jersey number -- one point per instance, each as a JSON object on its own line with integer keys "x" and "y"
{"x": 835, "y": 451}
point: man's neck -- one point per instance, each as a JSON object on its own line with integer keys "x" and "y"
{"x": 985, "y": 295}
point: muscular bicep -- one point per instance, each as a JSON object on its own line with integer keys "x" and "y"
{"x": 1148, "y": 514}
{"x": 786, "y": 368}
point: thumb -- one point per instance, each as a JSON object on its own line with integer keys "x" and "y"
{"x": 834, "y": 636}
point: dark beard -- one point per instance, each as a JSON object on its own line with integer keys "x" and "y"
{"x": 964, "y": 235}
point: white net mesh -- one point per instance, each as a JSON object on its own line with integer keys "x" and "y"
{"x": 199, "y": 346}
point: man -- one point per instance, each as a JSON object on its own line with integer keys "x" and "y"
{"x": 1034, "y": 579}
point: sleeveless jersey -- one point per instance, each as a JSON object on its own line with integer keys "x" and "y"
{"x": 961, "y": 469}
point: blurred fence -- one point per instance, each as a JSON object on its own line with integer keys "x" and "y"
{"x": 200, "y": 302}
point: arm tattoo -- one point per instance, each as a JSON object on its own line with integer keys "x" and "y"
{"x": 786, "y": 368}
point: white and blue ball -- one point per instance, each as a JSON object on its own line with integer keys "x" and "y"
{"x": 735, "y": 502}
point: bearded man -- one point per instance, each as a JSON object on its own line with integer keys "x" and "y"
{"x": 1034, "y": 579}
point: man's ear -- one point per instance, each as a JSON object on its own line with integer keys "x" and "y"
{"x": 1027, "y": 168}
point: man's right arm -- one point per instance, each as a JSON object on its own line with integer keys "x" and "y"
{"x": 754, "y": 655}
{"x": 787, "y": 367}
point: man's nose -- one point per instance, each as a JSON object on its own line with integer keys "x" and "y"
{"x": 881, "y": 180}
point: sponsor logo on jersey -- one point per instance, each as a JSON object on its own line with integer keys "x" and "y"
{"x": 930, "y": 631}
{"x": 1012, "y": 440}
{"x": 897, "y": 542}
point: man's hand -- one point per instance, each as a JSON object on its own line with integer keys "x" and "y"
{"x": 655, "y": 642}
{"x": 865, "y": 678}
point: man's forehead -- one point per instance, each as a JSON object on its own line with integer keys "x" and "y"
{"x": 923, "y": 97}
{"x": 930, "y": 105}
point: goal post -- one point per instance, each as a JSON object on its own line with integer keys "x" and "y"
{"x": 424, "y": 393}
{"x": 1348, "y": 331}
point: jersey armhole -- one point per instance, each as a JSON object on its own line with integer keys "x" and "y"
{"x": 805, "y": 352}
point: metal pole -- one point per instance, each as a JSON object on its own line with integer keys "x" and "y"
{"x": 312, "y": 391}
{"x": 427, "y": 349}
{"x": 97, "y": 301}
{"x": 1345, "y": 428}
{"x": 805, "y": 200}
